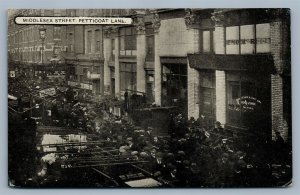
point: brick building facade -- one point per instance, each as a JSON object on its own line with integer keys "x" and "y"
{"x": 25, "y": 48}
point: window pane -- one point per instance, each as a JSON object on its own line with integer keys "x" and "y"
{"x": 122, "y": 31}
{"x": 122, "y": 78}
{"x": 263, "y": 40}
{"x": 133, "y": 68}
{"x": 56, "y": 32}
{"x": 206, "y": 41}
{"x": 128, "y": 31}
{"x": 247, "y": 39}
{"x": 130, "y": 42}
{"x": 89, "y": 41}
{"x": 233, "y": 93}
{"x": 122, "y": 43}
{"x": 232, "y": 40}
{"x": 128, "y": 67}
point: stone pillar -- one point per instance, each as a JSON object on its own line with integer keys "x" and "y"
{"x": 117, "y": 68}
{"x": 141, "y": 55}
{"x": 221, "y": 97}
{"x": 193, "y": 92}
{"x": 220, "y": 75}
{"x": 107, "y": 49}
{"x": 157, "y": 66}
{"x": 193, "y": 78}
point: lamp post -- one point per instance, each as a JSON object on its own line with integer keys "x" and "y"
{"x": 42, "y": 31}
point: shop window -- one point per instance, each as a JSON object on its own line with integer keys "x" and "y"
{"x": 207, "y": 97}
{"x": 174, "y": 86}
{"x": 247, "y": 102}
{"x": 127, "y": 41}
{"x": 128, "y": 76}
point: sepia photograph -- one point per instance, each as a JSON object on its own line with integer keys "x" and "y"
{"x": 149, "y": 98}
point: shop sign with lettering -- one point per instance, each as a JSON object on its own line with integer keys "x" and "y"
{"x": 249, "y": 41}
{"x": 245, "y": 103}
{"x": 248, "y": 103}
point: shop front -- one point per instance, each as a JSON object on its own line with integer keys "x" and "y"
{"x": 247, "y": 89}
{"x": 174, "y": 83}
{"x": 248, "y": 102}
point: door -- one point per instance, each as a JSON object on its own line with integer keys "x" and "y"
{"x": 207, "y": 101}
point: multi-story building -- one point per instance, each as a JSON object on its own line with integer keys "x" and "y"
{"x": 28, "y": 51}
{"x": 227, "y": 65}
{"x": 85, "y": 53}
{"x": 244, "y": 74}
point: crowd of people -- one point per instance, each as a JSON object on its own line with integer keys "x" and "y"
{"x": 193, "y": 155}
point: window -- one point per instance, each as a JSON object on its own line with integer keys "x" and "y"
{"x": 207, "y": 97}
{"x": 81, "y": 79}
{"x": 149, "y": 43}
{"x": 127, "y": 41}
{"x": 112, "y": 81}
{"x": 89, "y": 41}
{"x": 70, "y": 42}
{"x": 174, "y": 86}
{"x": 84, "y": 72}
{"x": 113, "y": 49}
{"x": 150, "y": 87}
{"x": 98, "y": 40}
{"x": 128, "y": 76}
{"x": 248, "y": 39}
{"x": 96, "y": 70}
{"x": 57, "y": 32}
{"x": 206, "y": 41}
{"x": 248, "y": 99}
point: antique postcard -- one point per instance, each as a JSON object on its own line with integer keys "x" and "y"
{"x": 167, "y": 98}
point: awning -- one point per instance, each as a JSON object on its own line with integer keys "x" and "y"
{"x": 252, "y": 63}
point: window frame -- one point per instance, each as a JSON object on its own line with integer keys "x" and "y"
{"x": 130, "y": 36}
